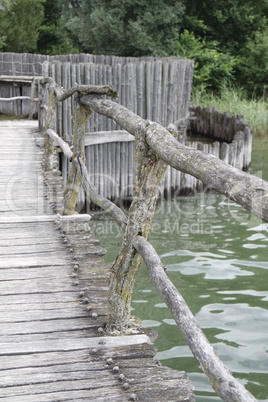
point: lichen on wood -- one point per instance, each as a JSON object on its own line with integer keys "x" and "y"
{"x": 149, "y": 170}
{"x": 81, "y": 114}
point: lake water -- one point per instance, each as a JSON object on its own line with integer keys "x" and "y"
{"x": 216, "y": 255}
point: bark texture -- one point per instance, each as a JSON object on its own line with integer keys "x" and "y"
{"x": 81, "y": 114}
{"x": 149, "y": 170}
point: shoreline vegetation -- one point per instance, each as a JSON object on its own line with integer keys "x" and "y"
{"x": 232, "y": 101}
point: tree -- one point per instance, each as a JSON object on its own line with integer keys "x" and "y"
{"x": 236, "y": 26}
{"x": 232, "y": 23}
{"x": 20, "y": 24}
{"x": 49, "y": 30}
{"x": 126, "y": 28}
{"x": 212, "y": 67}
{"x": 53, "y": 36}
{"x": 254, "y": 63}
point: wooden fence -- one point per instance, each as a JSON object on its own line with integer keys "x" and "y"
{"x": 155, "y": 89}
{"x": 232, "y": 136}
{"x": 18, "y": 95}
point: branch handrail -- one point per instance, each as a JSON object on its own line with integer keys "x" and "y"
{"x": 155, "y": 147}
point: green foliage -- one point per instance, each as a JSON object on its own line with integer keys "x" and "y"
{"x": 231, "y": 23}
{"x": 254, "y": 66}
{"x": 126, "y": 28}
{"x": 48, "y": 32}
{"x": 239, "y": 28}
{"x": 2, "y": 40}
{"x": 212, "y": 68}
{"x": 20, "y": 23}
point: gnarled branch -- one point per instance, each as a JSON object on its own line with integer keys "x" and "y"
{"x": 80, "y": 89}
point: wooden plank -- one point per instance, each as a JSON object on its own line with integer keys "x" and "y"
{"x": 28, "y": 219}
{"x": 103, "y": 137}
{"x": 18, "y": 78}
{"x": 47, "y": 315}
{"x": 69, "y": 344}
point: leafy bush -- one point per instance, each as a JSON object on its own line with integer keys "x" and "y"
{"x": 254, "y": 66}
{"x": 212, "y": 67}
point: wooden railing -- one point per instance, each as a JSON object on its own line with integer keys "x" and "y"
{"x": 155, "y": 147}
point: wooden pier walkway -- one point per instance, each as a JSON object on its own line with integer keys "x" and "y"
{"x": 53, "y": 345}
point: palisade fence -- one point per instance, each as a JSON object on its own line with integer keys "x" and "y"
{"x": 156, "y": 89}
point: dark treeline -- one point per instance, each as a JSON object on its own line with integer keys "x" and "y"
{"x": 228, "y": 39}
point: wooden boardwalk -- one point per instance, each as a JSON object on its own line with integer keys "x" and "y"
{"x": 53, "y": 345}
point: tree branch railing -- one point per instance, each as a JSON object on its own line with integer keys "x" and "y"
{"x": 155, "y": 148}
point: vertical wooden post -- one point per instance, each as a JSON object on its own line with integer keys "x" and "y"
{"x": 81, "y": 115}
{"x": 49, "y": 123}
{"x": 34, "y": 86}
{"x": 149, "y": 170}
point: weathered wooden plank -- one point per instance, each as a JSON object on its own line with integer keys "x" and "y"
{"x": 50, "y": 359}
{"x": 14, "y": 274}
{"x": 42, "y": 327}
{"x": 57, "y": 386}
{"x": 7, "y": 349}
{"x": 40, "y": 297}
{"x": 102, "y": 137}
{"x": 47, "y": 315}
{"x": 27, "y": 219}
{"x": 69, "y": 393}
{"x": 40, "y": 260}
{"x": 69, "y": 333}
{"x": 17, "y": 78}
{"x": 45, "y": 305}
{"x": 55, "y": 373}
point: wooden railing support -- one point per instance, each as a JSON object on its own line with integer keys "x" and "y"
{"x": 49, "y": 123}
{"x": 81, "y": 114}
{"x": 149, "y": 170}
{"x": 90, "y": 190}
{"x": 34, "y": 90}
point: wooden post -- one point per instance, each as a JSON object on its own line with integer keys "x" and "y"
{"x": 49, "y": 123}
{"x": 81, "y": 114}
{"x": 149, "y": 171}
{"x": 34, "y": 87}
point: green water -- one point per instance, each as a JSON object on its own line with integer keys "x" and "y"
{"x": 216, "y": 255}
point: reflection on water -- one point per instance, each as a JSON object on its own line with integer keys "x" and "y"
{"x": 216, "y": 255}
